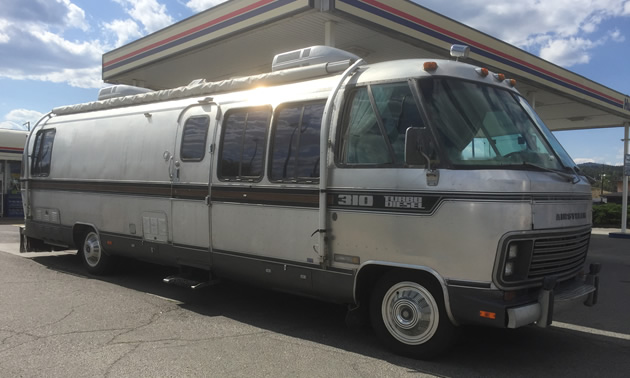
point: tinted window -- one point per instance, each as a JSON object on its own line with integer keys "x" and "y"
{"x": 375, "y": 125}
{"x": 243, "y": 144}
{"x": 42, "y": 153}
{"x": 194, "y": 137}
{"x": 295, "y": 148}
{"x": 482, "y": 125}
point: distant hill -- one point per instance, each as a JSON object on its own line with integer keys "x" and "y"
{"x": 614, "y": 173}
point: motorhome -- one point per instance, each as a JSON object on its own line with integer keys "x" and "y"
{"x": 426, "y": 193}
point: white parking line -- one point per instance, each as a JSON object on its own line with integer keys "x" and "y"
{"x": 594, "y": 331}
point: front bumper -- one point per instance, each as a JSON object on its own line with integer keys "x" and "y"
{"x": 492, "y": 308}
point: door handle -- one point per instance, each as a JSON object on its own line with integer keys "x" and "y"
{"x": 177, "y": 170}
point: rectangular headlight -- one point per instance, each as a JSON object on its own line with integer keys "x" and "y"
{"x": 509, "y": 269}
{"x": 512, "y": 251}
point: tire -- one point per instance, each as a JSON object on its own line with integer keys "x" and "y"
{"x": 94, "y": 257}
{"x": 408, "y": 315}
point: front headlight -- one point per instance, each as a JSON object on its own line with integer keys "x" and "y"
{"x": 512, "y": 251}
{"x": 517, "y": 259}
{"x": 509, "y": 269}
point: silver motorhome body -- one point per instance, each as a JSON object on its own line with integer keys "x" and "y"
{"x": 426, "y": 191}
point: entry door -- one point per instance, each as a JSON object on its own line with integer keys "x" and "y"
{"x": 190, "y": 173}
{"x": 267, "y": 206}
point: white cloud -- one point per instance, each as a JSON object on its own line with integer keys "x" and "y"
{"x": 201, "y": 5}
{"x": 539, "y": 26}
{"x": 38, "y": 54}
{"x": 75, "y": 16}
{"x": 124, "y": 30}
{"x": 33, "y": 46}
{"x": 151, "y": 14}
{"x": 17, "y": 119}
{"x": 567, "y": 52}
{"x": 22, "y": 116}
{"x": 584, "y": 160}
{"x": 4, "y": 37}
{"x": 11, "y": 126}
{"x": 89, "y": 77}
{"x": 62, "y": 14}
{"x": 616, "y": 35}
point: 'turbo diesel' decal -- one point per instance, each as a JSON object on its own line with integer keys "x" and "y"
{"x": 401, "y": 202}
{"x": 425, "y": 204}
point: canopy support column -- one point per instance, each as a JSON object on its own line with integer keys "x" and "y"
{"x": 624, "y": 198}
{"x": 330, "y": 31}
{"x": 624, "y": 201}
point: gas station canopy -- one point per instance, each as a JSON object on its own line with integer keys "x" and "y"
{"x": 241, "y": 37}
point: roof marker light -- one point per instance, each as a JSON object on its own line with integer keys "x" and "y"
{"x": 499, "y": 77}
{"x": 430, "y": 66}
{"x": 512, "y": 82}
{"x": 483, "y": 72}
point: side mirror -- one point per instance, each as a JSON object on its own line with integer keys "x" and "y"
{"x": 418, "y": 146}
{"x": 418, "y": 151}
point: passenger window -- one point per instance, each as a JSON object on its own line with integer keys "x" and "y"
{"x": 243, "y": 144}
{"x": 194, "y": 135}
{"x": 42, "y": 152}
{"x": 374, "y": 129}
{"x": 295, "y": 142}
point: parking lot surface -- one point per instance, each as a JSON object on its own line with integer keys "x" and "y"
{"x": 55, "y": 321}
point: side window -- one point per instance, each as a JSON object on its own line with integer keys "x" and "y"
{"x": 295, "y": 142}
{"x": 42, "y": 152}
{"x": 194, "y": 137}
{"x": 375, "y": 124}
{"x": 243, "y": 144}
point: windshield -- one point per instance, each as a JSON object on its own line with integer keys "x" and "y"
{"x": 483, "y": 126}
{"x": 557, "y": 147}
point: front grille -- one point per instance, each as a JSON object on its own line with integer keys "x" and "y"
{"x": 559, "y": 255}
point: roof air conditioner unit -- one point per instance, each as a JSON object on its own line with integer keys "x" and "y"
{"x": 309, "y": 56}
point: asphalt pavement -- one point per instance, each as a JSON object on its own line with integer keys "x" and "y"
{"x": 55, "y": 321}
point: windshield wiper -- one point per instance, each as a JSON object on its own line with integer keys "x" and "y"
{"x": 573, "y": 178}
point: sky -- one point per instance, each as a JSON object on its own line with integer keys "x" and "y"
{"x": 50, "y": 50}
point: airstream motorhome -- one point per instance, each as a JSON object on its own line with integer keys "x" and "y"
{"x": 427, "y": 192}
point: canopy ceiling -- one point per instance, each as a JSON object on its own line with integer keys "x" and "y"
{"x": 240, "y": 37}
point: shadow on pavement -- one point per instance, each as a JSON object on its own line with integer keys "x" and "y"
{"x": 479, "y": 351}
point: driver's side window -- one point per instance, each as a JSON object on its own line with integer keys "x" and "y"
{"x": 375, "y": 124}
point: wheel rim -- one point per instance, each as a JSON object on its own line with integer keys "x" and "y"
{"x": 92, "y": 249}
{"x": 410, "y": 313}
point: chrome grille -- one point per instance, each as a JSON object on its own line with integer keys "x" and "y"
{"x": 559, "y": 255}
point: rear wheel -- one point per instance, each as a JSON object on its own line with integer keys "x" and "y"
{"x": 94, "y": 258}
{"x": 408, "y": 315}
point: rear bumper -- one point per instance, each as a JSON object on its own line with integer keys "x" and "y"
{"x": 492, "y": 308}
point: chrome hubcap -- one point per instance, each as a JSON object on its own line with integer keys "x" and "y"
{"x": 92, "y": 249}
{"x": 410, "y": 313}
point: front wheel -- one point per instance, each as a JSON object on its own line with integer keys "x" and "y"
{"x": 408, "y": 315}
{"x": 94, "y": 258}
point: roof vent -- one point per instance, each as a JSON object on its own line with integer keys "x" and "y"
{"x": 120, "y": 90}
{"x": 309, "y": 56}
